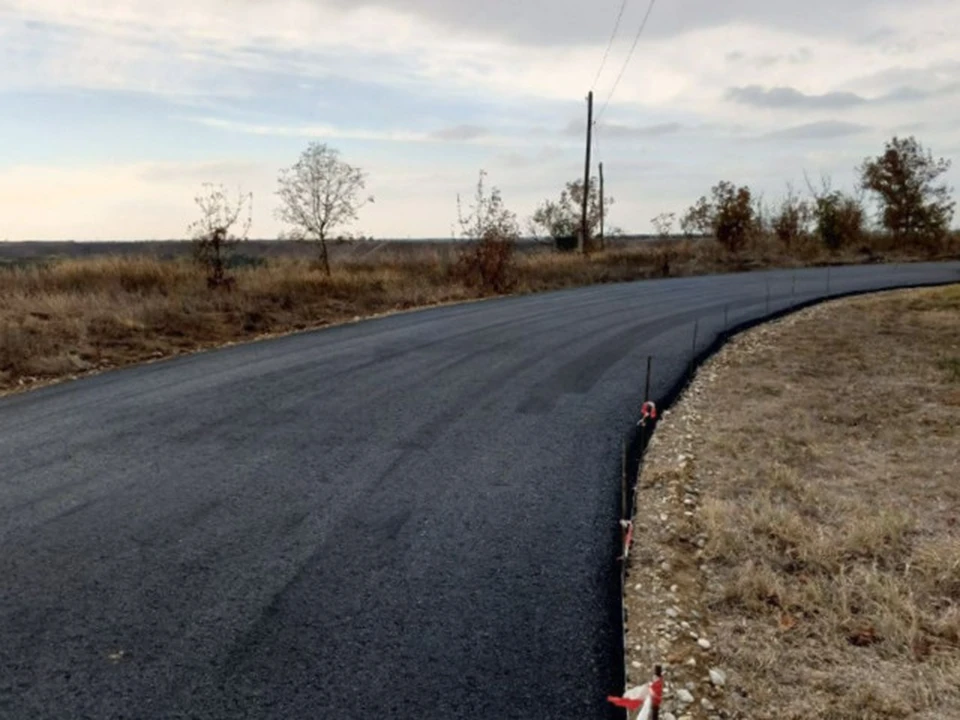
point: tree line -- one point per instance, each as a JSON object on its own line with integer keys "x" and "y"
{"x": 915, "y": 205}
{"x": 321, "y": 193}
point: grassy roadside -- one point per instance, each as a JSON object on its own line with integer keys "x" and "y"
{"x": 64, "y": 318}
{"x": 799, "y": 512}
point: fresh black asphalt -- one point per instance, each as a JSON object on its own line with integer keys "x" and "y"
{"x": 413, "y": 517}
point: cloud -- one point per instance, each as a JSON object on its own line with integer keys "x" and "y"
{"x": 318, "y": 132}
{"x": 788, "y": 97}
{"x": 613, "y": 130}
{"x": 459, "y": 133}
{"x": 469, "y": 134}
{"x": 791, "y": 98}
{"x": 764, "y": 61}
{"x": 518, "y": 160}
{"x": 226, "y": 171}
{"x": 439, "y": 88}
{"x": 567, "y": 22}
{"x": 824, "y": 130}
{"x": 577, "y": 128}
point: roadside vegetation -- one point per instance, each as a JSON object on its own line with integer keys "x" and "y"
{"x": 798, "y": 512}
{"x": 67, "y": 317}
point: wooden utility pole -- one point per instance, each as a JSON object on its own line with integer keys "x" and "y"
{"x": 586, "y": 176}
{"x": 603, "y": 239}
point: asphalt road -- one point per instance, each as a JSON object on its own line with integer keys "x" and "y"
{"x": 413, "y": 517}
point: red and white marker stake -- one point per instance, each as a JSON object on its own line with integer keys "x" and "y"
{"x": 639, "y": 699}
{"x": 627, "y": 538}
{"x": 647, "y": 413}
{"x": 646, "y": 698}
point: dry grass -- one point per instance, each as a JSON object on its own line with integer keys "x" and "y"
{"x": 67, "y": 317}
{"x": 824, "y": 454}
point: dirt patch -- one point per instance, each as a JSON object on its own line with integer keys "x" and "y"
{"x": 798, "y": 516}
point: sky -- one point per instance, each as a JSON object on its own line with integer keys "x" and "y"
{"x": 114, "y": 113}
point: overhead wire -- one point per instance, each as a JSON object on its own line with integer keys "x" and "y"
{"x": 613, "y": 36}
{"x": 626, "y": 63}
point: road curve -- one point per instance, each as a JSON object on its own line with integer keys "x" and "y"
{"x": 412, "y": 517}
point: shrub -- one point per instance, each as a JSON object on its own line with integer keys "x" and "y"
{"x": 730, "y": 215}
{"x": 791, "y": 221}
{"x": 487, "y": 264}
{"x": 840, "y": 220}
{"x": 491, "y": 232}
{"x": 735, "y": 216}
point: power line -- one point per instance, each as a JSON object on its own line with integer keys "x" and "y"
{"x": 636, "y": 41}
{"x": 613, "y": 36}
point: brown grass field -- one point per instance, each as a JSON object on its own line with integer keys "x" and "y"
{"x": 800, "y": 510}
{"x": 63, "y": 317}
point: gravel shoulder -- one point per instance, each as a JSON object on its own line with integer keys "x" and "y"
{"x": 796, "y": 550}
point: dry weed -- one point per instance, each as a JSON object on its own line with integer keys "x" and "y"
{"x": 64, "y": 317}
{"x": 829, "y": 574}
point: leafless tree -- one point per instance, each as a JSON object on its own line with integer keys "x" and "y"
{"x": 791, "y": 219}
{"x": 562, "y": 218}
{"x": 319, "y": 194}
{"x": 223, "y": 223}
{"x": 663, "y": 224}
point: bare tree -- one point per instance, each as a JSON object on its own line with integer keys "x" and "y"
{"x": 561, "y": 219}
{"x": 663, "y": 224}
{"x": 698, "y": 219}
{"x": 214, "y": 234}
{"x": 791, "y": 220}
{"x": 319, "y": 194}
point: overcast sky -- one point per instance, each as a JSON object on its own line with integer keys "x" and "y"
{"x": 112, "y": 113}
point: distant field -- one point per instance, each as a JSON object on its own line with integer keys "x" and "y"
{"x": 30, "y": 251}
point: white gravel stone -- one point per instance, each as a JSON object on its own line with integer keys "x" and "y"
{"x": 684, "y": 696}
{"x": 704, "y": 643}
{"x": 672, "y": 612}
{"x": 718, "y": 677}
